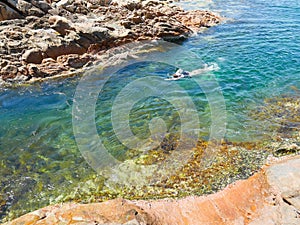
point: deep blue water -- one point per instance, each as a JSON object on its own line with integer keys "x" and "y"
{"x": 255, "y": 54}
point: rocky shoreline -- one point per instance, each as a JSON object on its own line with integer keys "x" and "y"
{"x": 43, "y": 39}
{"x": 46, "y": 38}
{"x": 267, "y": 197}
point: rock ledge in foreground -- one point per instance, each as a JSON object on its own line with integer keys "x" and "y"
{"x": 271, "y": 196}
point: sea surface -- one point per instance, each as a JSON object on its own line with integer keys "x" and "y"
{"x": 252, "y": 56}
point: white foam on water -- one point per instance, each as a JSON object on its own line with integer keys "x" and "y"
{"x": 207, "y": 68}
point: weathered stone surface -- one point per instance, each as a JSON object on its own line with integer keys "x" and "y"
{"x": 237, "y": 204}
{"x": 261, "y": 199}
{"x": 60, "y": 24}
{"x": 284, "y": 207}
{"x": 9, "y": 71}
{"x": 286, "y": 178}
{"x": 48, "y": 67}
{"x": 198, "y": 19}
{"x": 38, "y": 29}
{"x": 74, "y": 60}
{"x": 117, "y": 211}
{"x": 8, "y": 13}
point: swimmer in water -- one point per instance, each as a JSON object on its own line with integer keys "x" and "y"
{"x": 180, "y": 73}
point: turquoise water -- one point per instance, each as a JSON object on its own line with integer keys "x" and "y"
{"x": 255, "y": 54}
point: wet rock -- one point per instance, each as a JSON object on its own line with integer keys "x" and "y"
{"x": 22, "y": 71}
{"x": 12, "y": 71}
{"x": 117, "y": 211}
{"x": 2, "y": 201}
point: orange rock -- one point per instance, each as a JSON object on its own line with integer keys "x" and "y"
{"x": 238, "y": 202}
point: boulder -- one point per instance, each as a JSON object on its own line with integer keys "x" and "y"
{"x": 33, "y": 56}
{"x": 61, "y": 25}
{"x": 65, "y": 49}
{"x": 9, "y": 71}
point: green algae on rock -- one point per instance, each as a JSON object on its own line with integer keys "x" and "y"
{"x": 233, "y": 160}
{"x": 283, "y": 120}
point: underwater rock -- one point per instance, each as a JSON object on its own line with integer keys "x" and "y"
{"x": 36, "y": 30}
{"x": 270, "y": 196}
{"x": 281, "y": 114}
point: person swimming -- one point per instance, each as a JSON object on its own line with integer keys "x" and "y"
{"x": 180, "y": 73}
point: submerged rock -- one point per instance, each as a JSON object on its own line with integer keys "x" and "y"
{"x": 31, "y": 31}
{"x": 265, "y": 198}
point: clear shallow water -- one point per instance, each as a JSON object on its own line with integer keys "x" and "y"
{"x": 257, "y": 55}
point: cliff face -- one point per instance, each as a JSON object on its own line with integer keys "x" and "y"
{"x": 42, "y": 38}
{"x": 271, "y": 196}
